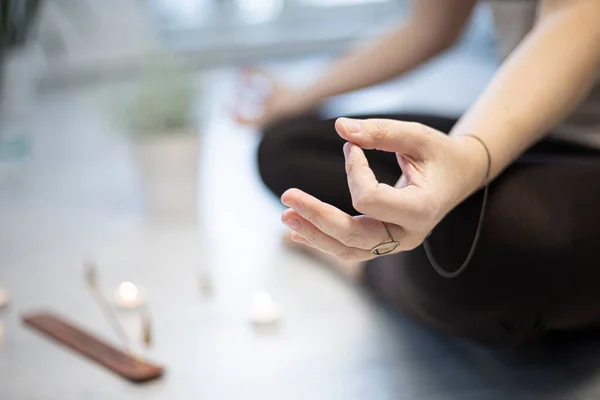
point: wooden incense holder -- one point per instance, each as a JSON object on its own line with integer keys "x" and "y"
{"x": 115, "y": 359}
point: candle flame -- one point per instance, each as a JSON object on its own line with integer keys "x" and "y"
{"x": 128, "y": 291}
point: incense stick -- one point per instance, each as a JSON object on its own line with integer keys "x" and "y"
{"x": 91, "y": 275}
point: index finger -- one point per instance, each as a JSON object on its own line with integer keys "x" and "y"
{"x": 377, "y": 200}
{"x": 408, "y": 138}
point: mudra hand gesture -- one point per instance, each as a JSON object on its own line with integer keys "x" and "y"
{"x": 280, "y": 100}
{"x": 439, "y": 172}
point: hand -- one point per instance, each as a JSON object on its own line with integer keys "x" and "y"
{"x": 280, "y": 101}
{"x": 439, "y": 172}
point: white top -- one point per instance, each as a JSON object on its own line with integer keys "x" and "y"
{"x": 513, "y": 19}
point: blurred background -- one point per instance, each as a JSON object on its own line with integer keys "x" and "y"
{"x": 118, "y": 148}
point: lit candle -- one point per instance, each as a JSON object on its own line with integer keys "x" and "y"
{"x": 264, "y": 310}
{"x": 128, "y": 296}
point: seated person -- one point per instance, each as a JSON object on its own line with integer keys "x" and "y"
{"x": 417, "y": 181}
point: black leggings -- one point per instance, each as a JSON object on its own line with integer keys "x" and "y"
{"x": 536, "y": 268}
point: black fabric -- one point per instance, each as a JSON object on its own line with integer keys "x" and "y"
{"x": 536, "y": 267}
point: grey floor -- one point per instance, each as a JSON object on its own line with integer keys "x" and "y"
{"x": 79, "y": 195}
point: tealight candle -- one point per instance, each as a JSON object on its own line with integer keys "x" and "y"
{"x": 264, "y": 310}
{"x": 128, "y": 296}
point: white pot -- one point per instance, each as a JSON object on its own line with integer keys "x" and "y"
{"x": 168, "y": 171}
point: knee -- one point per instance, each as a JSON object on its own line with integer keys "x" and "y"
{"x": 527, "y": 216}
{"x": 273, "y": 156}
{"x": 463, "y": 308}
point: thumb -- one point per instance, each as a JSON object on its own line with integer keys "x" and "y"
{"x": 409, "y": 138}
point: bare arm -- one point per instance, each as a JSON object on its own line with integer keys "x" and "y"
{"x": 544, "y": 79}
{"x": 433, "y": 27}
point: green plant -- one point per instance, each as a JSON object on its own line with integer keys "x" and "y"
{"x": 162, "y": 100}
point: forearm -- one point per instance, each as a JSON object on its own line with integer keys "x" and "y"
{"x": 541, "y": 82}
{"x": 432, "y": 27}
{"x": 391, "y": 56}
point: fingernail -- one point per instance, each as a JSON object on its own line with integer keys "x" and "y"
{"x": 292, "y": 223}
{"x": 346, "y": 149}
{"x": 297, "y": 238}
{"x": 292, "y": 204}
{"x": 352, "y": 125}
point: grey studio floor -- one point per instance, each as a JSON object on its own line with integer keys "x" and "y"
{"x": 79, "y": 196}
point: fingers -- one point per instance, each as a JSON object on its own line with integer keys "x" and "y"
{"x": 358, "y": 232}
{"x": 316, "y": 238}
{"x": 250, "y": 72}
{"x": 361, "y": 179}
{"x": 260, "y": 82}
{"x": 251, "y": 96}
{"x": 380, "y": 201}
{"x": 242, "y": 119}
{"x": 296, "y": 237}
{"x": 408, "y": 138}
{"x": 247, "y": 117}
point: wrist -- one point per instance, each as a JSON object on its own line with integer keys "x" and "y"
{"x": 477, "y": 162}
{"x": 313, "y": 96}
